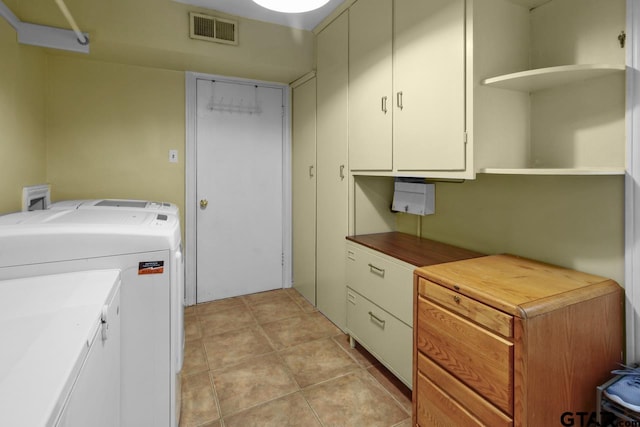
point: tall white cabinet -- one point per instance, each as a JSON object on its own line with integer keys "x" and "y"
{"x": 333, "y": 169}
{"x": 303, "y": 155}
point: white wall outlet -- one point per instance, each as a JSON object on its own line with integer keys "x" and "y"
{"x": 173, "y": 156}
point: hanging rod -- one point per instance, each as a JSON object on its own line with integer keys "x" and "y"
{"x": 44, "y": 36}
{"x": 82, "y": 39}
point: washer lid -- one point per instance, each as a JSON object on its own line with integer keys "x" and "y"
{"x": 47, "y": 324}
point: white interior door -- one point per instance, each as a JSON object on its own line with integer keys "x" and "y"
{"x": 239, "y": 188}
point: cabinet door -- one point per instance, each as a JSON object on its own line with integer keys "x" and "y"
{"x": 304, "y": 189}
{"x": 370, "y": 85}
{"x": 429, "y": 85}
{"x": 332, "y": 181}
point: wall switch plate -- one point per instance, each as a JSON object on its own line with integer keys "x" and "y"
{"x": 173, "y": 156}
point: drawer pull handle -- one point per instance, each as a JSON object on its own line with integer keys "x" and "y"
{"x": 456, "y": 287}
{"x": 376, "y": 270}
{"x": 456, "y": 299}
{"x": 379, "y": 320}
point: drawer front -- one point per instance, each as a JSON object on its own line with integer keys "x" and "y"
{"x": 436, "y": 408}
{"x": 387, "y": 338}
{"x": 478, "y": 358}
{"x": 386, "y": 282}
{"x": 492, "y": 319}
{"x": 474, "y": 403}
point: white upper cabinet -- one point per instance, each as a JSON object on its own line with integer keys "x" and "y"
{"x": 406, "y": 86}
{"x": 429, "y": 85}
{"x": 370, "y": 85}
{"x": 490, "y": 86}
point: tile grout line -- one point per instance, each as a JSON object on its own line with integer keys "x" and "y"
{"x": 215, "y": 399}
{"x": 315, "y": 413}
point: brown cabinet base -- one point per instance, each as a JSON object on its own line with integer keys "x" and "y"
{"x": 501, "y": 340}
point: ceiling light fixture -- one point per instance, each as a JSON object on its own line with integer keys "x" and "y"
{"x": 291, "y": 6}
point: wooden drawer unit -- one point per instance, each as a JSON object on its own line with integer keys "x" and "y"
{"x": 492, "y": 319}
{"x": 479, "y": 358}
{"x": 385, "y": 336}
{"x": 446, "y": 407}
{"x": 501, "y": 341}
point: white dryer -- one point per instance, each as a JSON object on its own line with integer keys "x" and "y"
{"x": 146, "y": 248}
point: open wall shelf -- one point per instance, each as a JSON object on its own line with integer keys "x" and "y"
{"x": 553, "y": 171}
{"x": 546, "y": 78}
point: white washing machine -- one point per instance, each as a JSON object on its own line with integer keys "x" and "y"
{"x": 60, "y": 362}
{"x": 117, "y": 204}
{"x": 146, "y": 248}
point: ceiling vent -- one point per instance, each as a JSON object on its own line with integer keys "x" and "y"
{"x": 210, "y": 28}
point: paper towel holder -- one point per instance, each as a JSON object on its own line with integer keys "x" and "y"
{"x": 413, "y": 196}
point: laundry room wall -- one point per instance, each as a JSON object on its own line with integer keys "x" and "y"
{"x": 110, "y": 128}
{"x": 572, "y": 221}
{"x": 107, "y": 120}
{"x": 22, "y": 118}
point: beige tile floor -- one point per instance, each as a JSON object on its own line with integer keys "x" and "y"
{"x": 271, "y": 359}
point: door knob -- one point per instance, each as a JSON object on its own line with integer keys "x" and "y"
{"x": 204, "y": 203}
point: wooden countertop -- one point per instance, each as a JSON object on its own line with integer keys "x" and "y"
{"x": 516, "y": 285}
{"x": 413, "y": 249}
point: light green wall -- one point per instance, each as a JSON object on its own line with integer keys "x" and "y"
{"x": 22, "y": 118}
{"x": 572, "y": 221}
{"x": 110, "y": 128}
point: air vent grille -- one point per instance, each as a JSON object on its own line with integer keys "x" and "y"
{"x": 210, "y": 28}
{"x": 226, "y": 30}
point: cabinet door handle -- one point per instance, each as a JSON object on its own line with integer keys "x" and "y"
{"x": 311, "y": 171}
{"x": 399, "y": 100}
{"x": 377, "y": 319}
{"x": 384, "y": 104}
{"x": 377, "y": 270}
{"x": 341, "y": 171}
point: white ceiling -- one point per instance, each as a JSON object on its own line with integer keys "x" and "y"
{"x": 249, "y": 9}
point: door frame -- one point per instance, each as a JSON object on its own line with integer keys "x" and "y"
{"x": 190, "y": 214}
{"x": 632, "y": 185}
